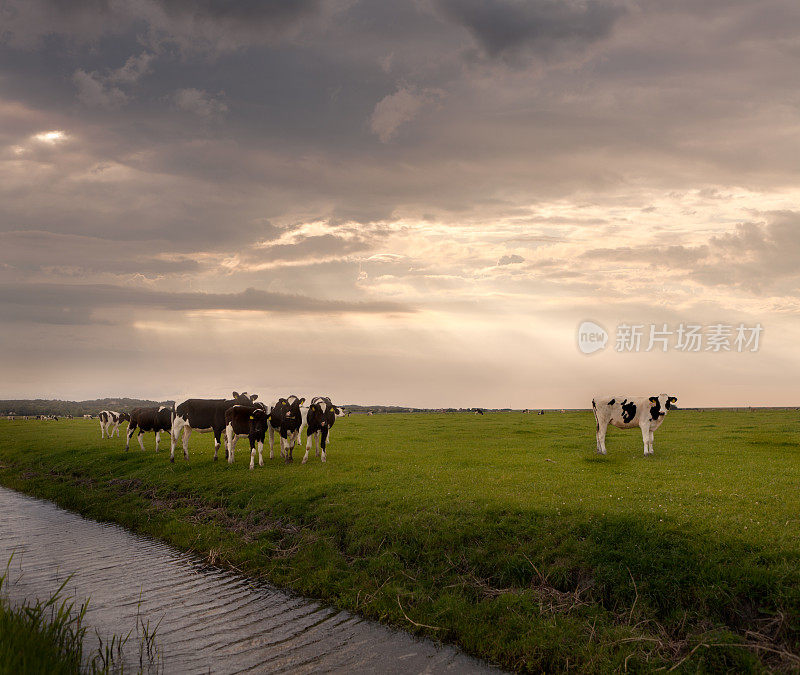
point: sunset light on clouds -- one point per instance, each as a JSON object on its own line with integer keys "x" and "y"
{"x": 397, "y": 203}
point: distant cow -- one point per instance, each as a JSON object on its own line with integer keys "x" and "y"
{"x": 626, "y": 412}
{"x": 247, "y": 421}
{"x": 149, "y": 419}
{"x": 204, "y": 415}
{"x": 321, "y": 417}
{"x": 479, "y": 411}
{"x": 286, "y": 417}
{"x": 110, "y": 421}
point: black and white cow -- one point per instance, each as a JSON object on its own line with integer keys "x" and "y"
{"x": 320, "y": 418}
{"x": 627, "y": 412}
{"x": 286, "y": 417}
{"x": 250, "y": 422}
{"x": 149, "y": 419}
{"x": 110, "y": 421}
{"x": 204, "y": 415}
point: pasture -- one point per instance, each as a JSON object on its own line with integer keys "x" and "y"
{"x": 503, "y": 533}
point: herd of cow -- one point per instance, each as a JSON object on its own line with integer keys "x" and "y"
{"x": 242, "y": 416}
{"x": 239, "y": 417}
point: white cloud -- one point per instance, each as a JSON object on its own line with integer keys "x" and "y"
{"x": 199, "y": 102}
{"x": 133, "y": 69}
{"x": 95, "y": 92}
{"x": 394, "y": 110}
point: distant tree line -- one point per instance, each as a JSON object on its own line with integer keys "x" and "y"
{"x": 58, "y": 408}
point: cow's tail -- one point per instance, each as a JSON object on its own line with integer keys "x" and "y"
{"x": 596, "y": 422}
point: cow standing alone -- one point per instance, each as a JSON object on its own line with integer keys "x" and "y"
{"x": 623, "y": 412}
{"x": 149, "y": 419}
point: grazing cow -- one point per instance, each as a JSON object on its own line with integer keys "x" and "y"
{"x": 110, "y": 421}
{"x": 246, "y": 421}
{"x": 479, "y": 411}
{"x": 149, "y": 419}
{"x": 320, "y": 417}
{"x": 287, "y": 417}
{"x": 204, "y": 415}
{"x": 626, "y": 412}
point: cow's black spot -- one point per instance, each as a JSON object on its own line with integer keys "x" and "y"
{"x": 612, "y": 401}
{"x": 628, "y": 411}
{"x": 655, "y": 409}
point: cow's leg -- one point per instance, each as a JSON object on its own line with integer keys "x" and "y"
{"x": 230, "y": 446}
{"x": 139, "y": 438}
{"x": 324, "y": 439}
{"x": 216, "y": 445}
{"x": 271, "y": 441}
{"x": 645, "y": 437}
{"x": 131, "y": 429}
{"x": 309, "y": 445}
{"x": 177, "y": 427}
{"x": 102, "y": 429}
{"x": 187, "y": 431}
{"x": 602, "y": 427}
{"x": 650, "y": 441}
{"x": 158, "y": 438}
{"x": 261, "y": 453}
{"x": 230, "y": 439}
{"x": 252, "y": 452}
{"x": 114, "y": 430}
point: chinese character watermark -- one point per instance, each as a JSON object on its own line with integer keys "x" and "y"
{"x": 683, "y": 337}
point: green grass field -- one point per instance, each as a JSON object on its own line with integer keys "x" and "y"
{"x": 505, "y": 534}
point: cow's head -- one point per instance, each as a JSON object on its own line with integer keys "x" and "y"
{"x": 659, "y": 405}
{"x": 244, "y": 398}
{"x": 259, "y": 420}
{"x": 124, "y": 417}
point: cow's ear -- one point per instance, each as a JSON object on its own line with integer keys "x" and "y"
{"x": 253, "y": 397}
{"x": 673, "y": 399}
{"x": 302, "y": 400}
{"x": 236, "y": 394}
{"x": 654, "y": 399}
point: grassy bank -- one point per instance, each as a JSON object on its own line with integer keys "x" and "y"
{"x": 505, "y": 534}
{"x": 42, "y": 636}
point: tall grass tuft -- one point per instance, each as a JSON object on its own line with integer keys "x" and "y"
{"x": 41, "y": 637}
{"x": 47, "y": 636}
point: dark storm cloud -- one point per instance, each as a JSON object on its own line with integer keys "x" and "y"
{"x": 512, "y": 26}
{"x": 209, "y": 24}
{"x": 52, "y": 302}
{"x": 34, "y": 251}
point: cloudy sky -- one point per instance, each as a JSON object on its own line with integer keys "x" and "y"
{"x": 398, "y": 202}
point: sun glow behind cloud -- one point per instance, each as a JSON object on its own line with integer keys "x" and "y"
{"x": 51, "y": 137}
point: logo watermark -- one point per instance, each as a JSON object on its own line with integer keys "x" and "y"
{"x": 683, "y": 337}
{"x": 591, "y": 337}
